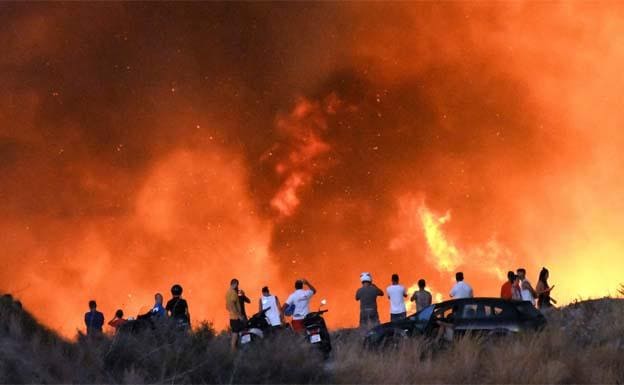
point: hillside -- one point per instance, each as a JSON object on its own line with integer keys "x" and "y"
{"x": 584, "y": 343}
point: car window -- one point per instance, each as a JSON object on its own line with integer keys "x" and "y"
{"x": 476, "y": 310}
{"x": 469, "y": 311}
{"x": 503, "y": 310}
{"x": 425, "y": 314}
{"x": 485, "y": 311}
{"x": 444, "y": 313}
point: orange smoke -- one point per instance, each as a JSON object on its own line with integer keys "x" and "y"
{"x": 179, "y": 230}
{"x": 198, "y": 142}
{"x": 304, "y": 152}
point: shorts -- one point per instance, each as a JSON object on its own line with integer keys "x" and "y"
{"x": 369, "y": 318}
{"x": 236, "y": 325}
{"x": 297, "y": 325}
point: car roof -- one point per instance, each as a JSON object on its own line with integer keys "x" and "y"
{"x": 482, "y": 300}
{"x": 461, "y": 301}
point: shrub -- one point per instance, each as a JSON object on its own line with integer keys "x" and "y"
{"x": 583, "y": 343}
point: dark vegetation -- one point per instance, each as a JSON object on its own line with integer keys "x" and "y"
{"x": 583, "y": 343}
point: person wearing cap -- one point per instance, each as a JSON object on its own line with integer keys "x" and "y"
{"x": 367, "y": 295}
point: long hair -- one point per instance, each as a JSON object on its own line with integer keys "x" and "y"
{"x": 542, "y": 276}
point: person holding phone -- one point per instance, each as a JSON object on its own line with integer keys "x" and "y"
{"x": 233, "y": 306}
{"x": 542, "y": 289}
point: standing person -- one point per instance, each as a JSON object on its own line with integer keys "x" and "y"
{"x": 516, "y": 294}
{"x": 177, "y": 308}
{"x": 271, "y": 302}
{"x": 158, "y": 310}
{"x": 396, "y": 295}
{"x": 461, "y": 288}
{"x": 94, "y": 320}
{"x": 527, "y": 293}
{"x": 300, "y": 298}
{"x": 507, "y": 288}
{"x": 422, "y": 297}
{"x": 233, "y": 306}
{"x": 118, "y": 320}
{"x": 243, "y": 300}
{"x": 367, "y": 295}
{"x": 544, "y": 301}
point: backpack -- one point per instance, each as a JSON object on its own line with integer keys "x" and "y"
{"x": 290, "y": 310}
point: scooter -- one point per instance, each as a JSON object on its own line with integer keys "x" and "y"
{"x": 257, "y": 327}
{"x": 144, "y": 321}
{"x": 316, "y": 330}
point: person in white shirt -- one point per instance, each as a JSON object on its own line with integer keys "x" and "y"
{"x": 271, "y": 302}
{"x": 301, "y": 300}
{"x": 461, "y": 288}
{"x": 397, "y": 294}
{"x": 527, "y": 293}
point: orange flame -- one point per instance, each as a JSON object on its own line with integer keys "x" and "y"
{"x": 114, "y": 187}
{"x": 442, "y": 252}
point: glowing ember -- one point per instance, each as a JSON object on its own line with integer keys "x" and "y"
{"x": 195, "y": 142}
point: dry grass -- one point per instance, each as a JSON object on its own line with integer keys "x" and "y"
{"x": 583, "y": 343}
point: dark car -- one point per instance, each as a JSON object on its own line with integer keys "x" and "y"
{"x": 489, "y": 316}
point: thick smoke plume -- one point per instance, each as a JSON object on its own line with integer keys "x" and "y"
{"x": 147, "y": 144}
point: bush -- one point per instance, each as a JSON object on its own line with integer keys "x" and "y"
{"x": 583, "y": 343}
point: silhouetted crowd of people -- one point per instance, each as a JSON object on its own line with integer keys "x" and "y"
{"x": 176, "y": 309}
{"x": 517, "y": 287}
{"x": 296, "y": 306}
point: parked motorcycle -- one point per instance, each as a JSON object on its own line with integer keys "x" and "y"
{"x": 316, "y": 330}
{"x": 144, "y": 321}
{"x": 256, "y": 329}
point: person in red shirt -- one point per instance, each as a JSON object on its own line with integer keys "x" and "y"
{"x": 118, "y": 320}
{"x": 507, "y": 288}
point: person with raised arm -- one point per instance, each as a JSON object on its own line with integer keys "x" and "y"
{"x": 300, "y": 301}
{"x": 542, "y": 289}
{"x": 367, "y": 295}
{"x": 233, "y": 306}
